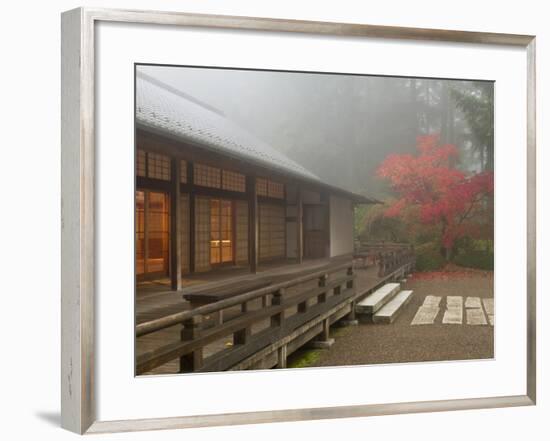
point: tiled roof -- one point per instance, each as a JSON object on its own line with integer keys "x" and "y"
{"x": 162, "y": 108}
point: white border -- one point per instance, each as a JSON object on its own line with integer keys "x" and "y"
{"x": 121, "y": 396}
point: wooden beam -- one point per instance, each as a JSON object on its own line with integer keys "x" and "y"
{"x": 299, "y": 226}
{"x": 253, "y": 223}
{"x": 175, "y": 227}
{"x": 190, "y": 180}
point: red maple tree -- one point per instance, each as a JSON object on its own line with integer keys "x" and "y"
{"x": 430, "y": 189}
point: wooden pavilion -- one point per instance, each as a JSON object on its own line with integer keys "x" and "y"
{"x": 211, "y": 195}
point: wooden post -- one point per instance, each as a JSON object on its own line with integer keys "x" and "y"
{"x": 281, "y": 357}
{"x": 381, "y": 264}
{"x": 299, "y": 226}
{"x": 325, "y": 335}
{"x": 277, "y": 319}
{"x": 190, "y": 331}
{"x": 190, "y": 182}
{"x": 175, "y": 227}
{"x": 350, "y": 319}
{"x": 323, "y": 340}
{"x": 253, "y": 223}
{"x": 242, "y": 336}
{"x": 322, "y": 297}
{"x": 349, "y": 272}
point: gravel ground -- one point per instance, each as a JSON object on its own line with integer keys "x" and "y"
{"x": 400, "y": 342}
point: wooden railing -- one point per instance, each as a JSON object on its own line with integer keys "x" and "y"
{"x": 390, "y": 261}
{"x": 388, "y": 256}
{"x": 323, "y": 290}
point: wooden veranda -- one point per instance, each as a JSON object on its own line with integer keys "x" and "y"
{"x": 260, "y": 328}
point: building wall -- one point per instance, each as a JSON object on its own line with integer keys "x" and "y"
{"x": 272, "y": 231}
{"x": 310, "y": 197}
{"x": 341, "y": 226}
{"x": 291, "y": 239}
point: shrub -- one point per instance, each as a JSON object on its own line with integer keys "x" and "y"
{"x": 428, "y": 257}
{"x": 475, "y": 259}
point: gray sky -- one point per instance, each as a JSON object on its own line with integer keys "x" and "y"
{"x": 340, "y": 127}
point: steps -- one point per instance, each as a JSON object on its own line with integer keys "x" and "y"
{"x": 385, "y": 304}
{"x": 375, "y": 301}
{"x": 391, "y": 310}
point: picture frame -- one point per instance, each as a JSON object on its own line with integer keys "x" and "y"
{"x": 78, "y": 330}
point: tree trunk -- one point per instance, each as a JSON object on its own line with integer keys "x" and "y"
{"x": 448, "y": 254}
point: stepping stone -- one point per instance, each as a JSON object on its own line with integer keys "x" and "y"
{"x": 432, "y": 301}
{"x": 453, "y": 316}
{"x": 489, "y": 305}
{"x": 425, "y": 315}
{"x": 473, "y": 302}
{"x": 390, "y": 310}
{"x": 454, "y": 313}
{"x": 475, "y": 316}
{"x": 454, "y": 301}
{"x": 375, "y": 301}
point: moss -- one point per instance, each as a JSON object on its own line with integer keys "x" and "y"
{"x": 339, "y": 331}
{"x": 303, "y": 359}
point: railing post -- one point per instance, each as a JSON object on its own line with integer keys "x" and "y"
{"x": 277, "y": 300}
{"x": 322, "y": 297}
{"x": 190, "y": 331}
{"x": 242, "y": 336}
{"x": 381, "y": 265}
{"x": 349, "y": 272}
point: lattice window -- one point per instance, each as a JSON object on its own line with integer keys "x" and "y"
{"x": 275, "y": 190}
{"x": 261, "y": 187}
{"x": 140, "y": 163}
{"x": 158, "y": 229}
{"x": 158, "y": 166}
{"x": 221, "y": 231}
{"x": 183, "y": 171}
{"x": 241, "y": 231}
{"x": 272, "y": 231}
{"x": 207, "y": 176}
{"x": 233, "y": 181}
{"x": 202, "y": 234}
{"x": 272, "y": 189}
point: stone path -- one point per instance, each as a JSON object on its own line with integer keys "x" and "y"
{"x": 427, "y": 313}
{"x": 454, "y": 313}
{"x": 489, "y": 305}
{"x": 478, "y": 313}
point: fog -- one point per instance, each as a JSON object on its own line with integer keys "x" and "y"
{"x": 341, "y": 127}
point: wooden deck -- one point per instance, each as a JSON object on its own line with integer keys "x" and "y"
{"x": 155, "y": 302}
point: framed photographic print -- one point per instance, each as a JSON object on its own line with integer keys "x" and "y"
{"x": 300, "y": 215}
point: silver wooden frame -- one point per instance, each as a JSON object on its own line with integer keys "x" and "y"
{"x": 77, "y": 217}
